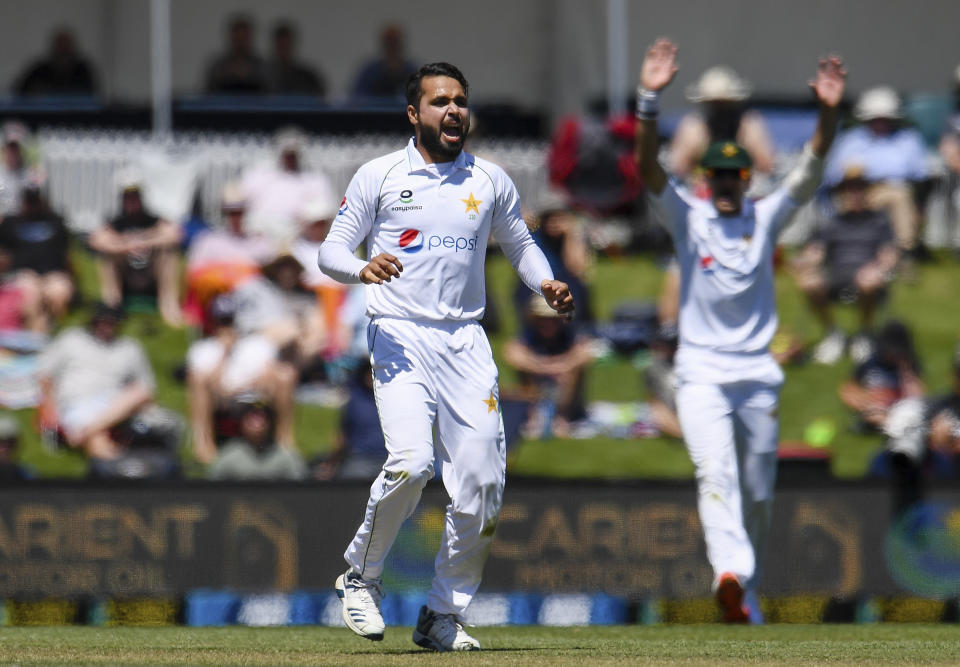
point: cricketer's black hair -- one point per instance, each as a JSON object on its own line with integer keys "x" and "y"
{"x": 415, "y": 92}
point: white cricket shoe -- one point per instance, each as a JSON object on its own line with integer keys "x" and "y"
{"x": 360, "y": 600}
{"x": 442, "y": 632}
{"x": 830, "y": 349}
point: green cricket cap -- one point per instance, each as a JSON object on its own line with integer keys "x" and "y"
{"x": 726, "y": 155}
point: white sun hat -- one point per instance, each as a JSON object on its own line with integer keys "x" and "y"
{"x": 719, "y": 84}
{"x": 316, "y": 209}
{"x": 879, "y": 102}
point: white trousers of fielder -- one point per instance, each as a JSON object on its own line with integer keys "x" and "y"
{"x": 435, "y": 377}
{"x": 731, "y": 432}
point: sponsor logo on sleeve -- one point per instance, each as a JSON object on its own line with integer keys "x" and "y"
{"x": 343, "y": 206}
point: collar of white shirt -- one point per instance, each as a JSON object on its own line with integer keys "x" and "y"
{"x": 417, "y": 163}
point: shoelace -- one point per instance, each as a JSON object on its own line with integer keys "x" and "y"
{"x": 446, "y": 627}
{"x": 370, "y": 591}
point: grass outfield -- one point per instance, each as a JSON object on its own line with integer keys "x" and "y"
{"x": 676, "y": 645}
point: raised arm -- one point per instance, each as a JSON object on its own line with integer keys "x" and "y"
{"x": 828, "y": 87}
{"x": 657, "y": 71}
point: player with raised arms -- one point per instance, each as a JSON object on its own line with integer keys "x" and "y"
{"x": 426, "y": 212}
{"x": 729, "y": 384}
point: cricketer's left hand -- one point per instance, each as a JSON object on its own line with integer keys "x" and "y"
{"x": 557, "y": 295}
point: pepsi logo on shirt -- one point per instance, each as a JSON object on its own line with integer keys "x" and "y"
{"x": 412, "y": 240}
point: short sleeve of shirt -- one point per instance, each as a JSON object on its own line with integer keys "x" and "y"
{"x": 671, "y": 207}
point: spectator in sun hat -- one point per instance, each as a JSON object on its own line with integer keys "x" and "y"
{"x": 723, "y": 116}
{"x": 277, "y": 190}
{"x": 894, "y": 159}
{"x": 225, "y": 256}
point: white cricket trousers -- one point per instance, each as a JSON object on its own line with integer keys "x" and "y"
{"x": 435, "y": 377}
{"x": 731, "y": 432}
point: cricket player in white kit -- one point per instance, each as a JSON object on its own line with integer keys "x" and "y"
{"x": 426, "y": 213}
{"x": 729, "y": 383}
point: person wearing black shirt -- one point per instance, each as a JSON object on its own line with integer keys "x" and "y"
{"x": 138, "y": 254}
{"x": 62, "y": 72}
{"x": 38, "y": 241}
{"x": 239, "y": 70}
{"x": 285, "y": 74}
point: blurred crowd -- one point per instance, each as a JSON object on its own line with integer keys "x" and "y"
{"x": 268, "y": 329}
{"x": 237, "y": 69}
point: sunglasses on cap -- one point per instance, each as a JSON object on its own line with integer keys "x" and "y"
{"x": 742, "y": 174}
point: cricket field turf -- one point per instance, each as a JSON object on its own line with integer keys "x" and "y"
{"x": 900, "y": 644}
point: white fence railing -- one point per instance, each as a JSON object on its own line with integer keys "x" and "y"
{"x": 82, "y": 168}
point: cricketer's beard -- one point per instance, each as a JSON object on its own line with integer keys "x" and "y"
{"x": 435, "y": 144}
{"x": 727, "y": 200}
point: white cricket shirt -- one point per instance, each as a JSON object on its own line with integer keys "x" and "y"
{"x": 728, "y": 313}
{"x": 436, "y": 219}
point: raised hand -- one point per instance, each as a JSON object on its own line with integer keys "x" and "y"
{"x": 557, "y": 295}
{"x": 381, "y": 269}
{"x": 659, "y": 65}
{"x": 830, "y": 81}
